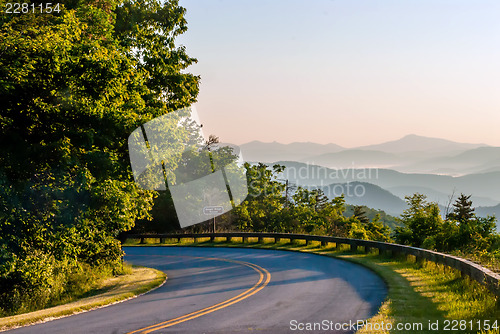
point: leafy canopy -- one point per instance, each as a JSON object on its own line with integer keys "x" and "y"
{"x": 73, "y": 86}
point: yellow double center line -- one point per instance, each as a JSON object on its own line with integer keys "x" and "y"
{"x": 264, "y": 278}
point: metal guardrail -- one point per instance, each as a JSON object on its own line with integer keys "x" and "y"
{"x": 480, "y": 274}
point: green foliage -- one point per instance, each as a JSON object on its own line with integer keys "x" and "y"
{"x": 73, "y": 86}
{"x": 462, "y": 209}
{"x": 360, "y": 214}
{"x": 378, "y": 231}
{"x": 309, "y": 211}
{"x": 193, "y": 164}
{"x": 164, "y": 217}
{"x": 461, "y": 230}
{"x": 475, "y": 233}
{"x": 372, "y": 214}
{"x": 421, "y": 220}
{"x": 263, "y": 209}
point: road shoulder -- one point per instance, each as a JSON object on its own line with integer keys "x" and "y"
{"x": 117, "y": 289}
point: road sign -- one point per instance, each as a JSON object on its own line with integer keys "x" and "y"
{"x": 210, "y": 210}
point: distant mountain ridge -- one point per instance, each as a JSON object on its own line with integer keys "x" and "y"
{"x": 483, "y": 186}
{"x": 410, "y": 154}
{"x": 480, "y": 159}
{"x": 370, "y": 195}
{"x": 438, "y": 197}
{"x": 415, "y": 143}
{"x": 432, "y": 166}
{"x": 356, "y": 158}
{"x": 483, "y": 211}
{"x": 378, "y": 197}
{"x": 257, "y": 151}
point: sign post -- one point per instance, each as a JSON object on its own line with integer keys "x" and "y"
{"x": 210, "y": 210}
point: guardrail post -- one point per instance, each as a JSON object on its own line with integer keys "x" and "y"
{"x": 142, "y": 241}
{"x": 276, "y": 240}
{"x": 162, "y": 240}
{"x": 324, "y": 243}
{"x": 245, "y": 239}
{"x": 419, "y": 259}
{"x": 260, "y": 239}
{"x": 354, "y": 247}
{"x": 212, "y": 239}
{"x": 367, "y": 249}
{"x": 308, "y": 242}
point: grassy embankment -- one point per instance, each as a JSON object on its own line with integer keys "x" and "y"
{"x": 418, "y": 292}
{"x": 134, "y": 281}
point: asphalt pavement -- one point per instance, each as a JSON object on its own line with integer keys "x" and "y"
{"x": 235, "y": 290}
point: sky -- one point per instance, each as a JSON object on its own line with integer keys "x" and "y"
{"x": 346, "y": 72}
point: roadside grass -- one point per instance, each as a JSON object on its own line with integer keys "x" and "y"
{"x": 135, "y": 281}
{"x": 420, "y": 293}
{"x": 486, "y": 259}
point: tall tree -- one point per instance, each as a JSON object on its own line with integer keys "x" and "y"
{"x": 462, "y": 209}
{"x": 320, "y": 200}
{"x": 263, "y": 209}
{"x": 473, "y": 231}
{"x": 73, "y": 86}
{"x": 421, "y": 220}
{"x": 360, "y": 213}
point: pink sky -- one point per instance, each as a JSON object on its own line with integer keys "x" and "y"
{"x": 346, "y": 72}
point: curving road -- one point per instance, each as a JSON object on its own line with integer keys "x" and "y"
{"x": 228, "y": 290}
